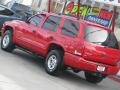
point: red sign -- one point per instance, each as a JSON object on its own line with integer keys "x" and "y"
{"x": 105, "y": 14}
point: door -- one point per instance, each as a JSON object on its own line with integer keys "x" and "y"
{"x": 48, "y": 33}
{"x": 30, "y": 31}
{"x": 72, "y": 38}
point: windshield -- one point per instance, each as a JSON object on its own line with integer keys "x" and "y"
{"x": 95, "y": 34}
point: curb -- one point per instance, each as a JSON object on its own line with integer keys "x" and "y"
{"x": 115, "y": 78}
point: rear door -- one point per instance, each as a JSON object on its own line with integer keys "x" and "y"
{"x": 70, "y": 36}
{"x": 28, "y": 32}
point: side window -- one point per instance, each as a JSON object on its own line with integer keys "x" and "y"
{"x": 4, "y": 11}
{"x": 51, "y": 23}
{"x": 36, "y": 20}
{"x": 70, "y": 28}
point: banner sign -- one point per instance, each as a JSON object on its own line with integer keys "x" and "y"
{"x": 93, "y": 14}
{"x": 98, "y": 20}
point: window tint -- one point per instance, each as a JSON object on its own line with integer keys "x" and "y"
{"x": 36, "y": 20}
{"x": 95, "y": 34}
{"x": 51, "y": 23}
{"x": 4, "y": 11}
{"x": 70, "y": 28}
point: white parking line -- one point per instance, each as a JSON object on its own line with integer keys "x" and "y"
{"x": 8, "y": 84}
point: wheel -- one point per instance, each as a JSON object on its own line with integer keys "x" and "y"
{"x": 54, "y": 62}
{"x": 6, "y": 42}
{"x": 94, "y": 77}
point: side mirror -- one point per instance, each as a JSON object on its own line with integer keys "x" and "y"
{"x": 27, "y": 21}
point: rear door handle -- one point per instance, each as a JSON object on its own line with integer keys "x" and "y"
{"x": 34, "y": 31}
{"x": 51, "y": 37}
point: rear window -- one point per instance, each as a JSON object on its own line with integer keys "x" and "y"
{"x": 70, "y": 28}
{"x": 95, "y": 34}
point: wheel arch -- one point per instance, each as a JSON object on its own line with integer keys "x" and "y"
{"x": 54, "y": 46}
{"x": 8, "y": 28}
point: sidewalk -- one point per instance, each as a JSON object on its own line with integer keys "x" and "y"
{"x": 8, "y": 84}
{"x": 115, "y": 78}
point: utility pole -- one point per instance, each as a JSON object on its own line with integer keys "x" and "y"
{"x": 78, "y": 11}
{"x": 114, "y": 18}
{"x": 49, "y": 6}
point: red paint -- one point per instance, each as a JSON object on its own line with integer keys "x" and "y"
{"x": 90, "y": 55}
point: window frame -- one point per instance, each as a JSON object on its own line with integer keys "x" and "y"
{"x": 60, "y": 19}
{"x": 39, "y": 16}
{"x": 70, "y": 35}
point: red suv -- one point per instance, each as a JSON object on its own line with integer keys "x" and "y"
{"x": 66, "y": 42}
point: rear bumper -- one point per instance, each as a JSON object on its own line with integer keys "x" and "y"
{"x": 82, "y": 64}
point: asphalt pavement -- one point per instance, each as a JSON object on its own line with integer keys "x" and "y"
{"x": 22, "y": 71}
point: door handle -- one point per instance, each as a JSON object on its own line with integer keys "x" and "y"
{"x": 51, "y": 37}
{"x": 34, "y": 31}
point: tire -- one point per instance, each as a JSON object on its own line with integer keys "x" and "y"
{"x": 94, "y": 77}
{"x": 54, "y": 62}
{"x": 6, "y": 41}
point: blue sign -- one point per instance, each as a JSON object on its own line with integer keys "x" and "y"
{"x": 98, "y": 20}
